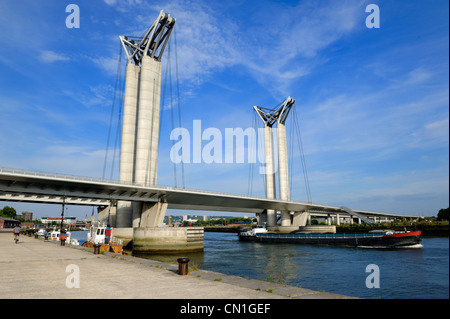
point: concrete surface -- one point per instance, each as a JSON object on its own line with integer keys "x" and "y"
{"x": 34, "y": 268}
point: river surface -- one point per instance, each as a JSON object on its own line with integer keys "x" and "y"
{"x": 415, "y": 273}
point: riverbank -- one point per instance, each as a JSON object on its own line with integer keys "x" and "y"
{"x": 438, "y": 230}
{"x": 435, "y": 229}
{"x": 36, "y": 269}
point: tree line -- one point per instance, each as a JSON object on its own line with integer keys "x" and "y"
{"x": 443, "y": 214}
{"x": 7, "y": 211}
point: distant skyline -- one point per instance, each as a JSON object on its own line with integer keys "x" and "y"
{"x": 372, "y": 103}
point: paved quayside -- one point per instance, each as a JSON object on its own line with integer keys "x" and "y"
{"x": 34, "y": 268}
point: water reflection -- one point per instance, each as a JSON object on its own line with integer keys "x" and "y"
{"x": 405, "y": 273}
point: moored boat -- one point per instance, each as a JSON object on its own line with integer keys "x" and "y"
{"x": 102, "y": 235}
{"x": 374, "y": 239}
{"x": 41, "y": 232}
{"x": 55, "y": 235}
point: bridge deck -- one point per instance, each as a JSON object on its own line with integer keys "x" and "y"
{"x": 16, "y": 185}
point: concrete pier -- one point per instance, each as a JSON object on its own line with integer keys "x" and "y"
{"x": 148, "y": 240}
{"x": 35, "y": 269}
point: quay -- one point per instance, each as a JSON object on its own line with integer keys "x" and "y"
{"x": 37, "y": 269}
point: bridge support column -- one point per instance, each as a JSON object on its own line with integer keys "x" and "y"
{"x": 127, "y": 149}
{"x": 283, "y": 171}
{"x": 271, "y": 215}
{"x": 262, "y": 218}
{"x": 153, "y": 214}
{"x": 150, "y": 237}
{"x": 107, "y": 215}
{"x": 301, "y": 219}
{"x": 123, "y": 224}
{"x": 124, "y": 215}
{"x": 148, "y": 122}
{"x": 130, "y": 105}
{"x": 296, "y": 221}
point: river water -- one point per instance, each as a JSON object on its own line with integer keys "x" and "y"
{"x": 415, "y": 273}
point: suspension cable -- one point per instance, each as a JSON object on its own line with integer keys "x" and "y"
{"x": 291, "y": 154}
{"x": 119, "y": 120}
{"x": 302, "y": 155}
{"x": 169, "y": 61}
{"x": 253, "y": 153}
{"x": 112, "y": 110}
{"x": 178, "y": 99}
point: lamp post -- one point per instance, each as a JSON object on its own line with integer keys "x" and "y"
{"x": 62, "y": 233}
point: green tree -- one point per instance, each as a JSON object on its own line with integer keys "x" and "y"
{"x": 8, "y": 212}
{"x": 443, "y": 214}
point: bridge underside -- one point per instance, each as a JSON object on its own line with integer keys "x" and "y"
{"x": 50, "y": 188}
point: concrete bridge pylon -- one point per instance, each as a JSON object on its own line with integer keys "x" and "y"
{"x": 140, "y": 130}
{"x": 270, "y": 118}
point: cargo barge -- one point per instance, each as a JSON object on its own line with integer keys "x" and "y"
{"x": 373, "y": 239}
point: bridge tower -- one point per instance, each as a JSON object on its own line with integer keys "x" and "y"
{"x": 270, "y": 117}
{"x": 141, "y": 111}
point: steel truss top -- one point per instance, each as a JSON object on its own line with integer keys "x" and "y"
{"x": 278, "y": 115}
{"x": 154, "y": 41}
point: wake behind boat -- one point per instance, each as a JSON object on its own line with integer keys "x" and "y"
{"x": 374, "y": 239}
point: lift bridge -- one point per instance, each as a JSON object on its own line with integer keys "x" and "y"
{"x": 29, "y": 186}
{"x": 136, "y": 201}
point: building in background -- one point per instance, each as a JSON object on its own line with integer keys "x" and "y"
{"x": 66, "y": 220}
{"x": 6, "y": 222}
{"x": 27, "y": 215}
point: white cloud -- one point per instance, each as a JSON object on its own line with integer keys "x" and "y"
{"x": 107, "y": 63}
{"x": 47, "y": 56}
{"x": 288, "y": 47}
{"x": 276, "y": 52}
{"x": 204, "y": 44}
{"x": 102, "y": 94}
{"x": 433, "y": 133}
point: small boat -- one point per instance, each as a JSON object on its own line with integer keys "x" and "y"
{"x": 41, "y": 232}
{"x": 54, "y": 235}
{"x": 101, "y": 234}
{"x": 373, "y": 239}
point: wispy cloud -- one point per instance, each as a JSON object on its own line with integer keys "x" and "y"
{"x": 293, "y": 39}
{"x": 47, "y": 56}
{"x": 282, "y": 49}
{"x": 204, "y": 44}
{"x": 109, "y": 64}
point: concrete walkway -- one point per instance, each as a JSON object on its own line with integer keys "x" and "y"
{"x": 34, "y": 268}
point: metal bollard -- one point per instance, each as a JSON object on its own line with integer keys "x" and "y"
{"x": 97, "y": 249}
{"x": 183, "y": 268}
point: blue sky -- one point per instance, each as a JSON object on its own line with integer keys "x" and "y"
{"x": 373, "y": 104}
